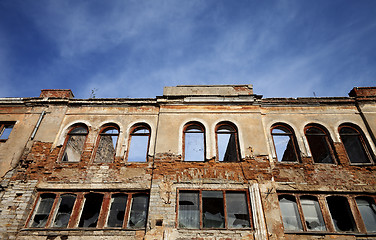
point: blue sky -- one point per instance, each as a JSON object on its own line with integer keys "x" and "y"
{"x": 286, "y": 48}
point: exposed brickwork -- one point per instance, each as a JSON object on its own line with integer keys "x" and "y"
{"x": 56, "y": 93}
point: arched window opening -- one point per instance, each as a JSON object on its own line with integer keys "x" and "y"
{"x": 319, "y": 144}
{"x": 227, "y": 143}
{"x": 285, "y": 145}
{"x": 290, "y": 213}
{"x": 74, "y": 144}
{"x": 139, "y": 144}
{"x": 367, "y": 209}
{"x": 354, "y": 142}
{"x": 194, "y": 142}
{"x": 106, "y": 147}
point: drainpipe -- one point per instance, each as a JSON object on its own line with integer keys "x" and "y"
{"x": 38, "y": 124}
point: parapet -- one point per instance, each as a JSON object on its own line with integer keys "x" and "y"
{"x": 208, "y": 90}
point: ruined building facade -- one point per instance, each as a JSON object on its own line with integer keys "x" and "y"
{"x": 199, "y": 162}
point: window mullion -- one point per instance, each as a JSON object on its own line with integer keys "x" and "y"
{"x": 225, "y": 208}
{"x": 297, "y": 199}
{"x": 104, "y": 210}
{"x": 76, "y": 212}
{"x": 127, "y": 210}
{"x": 200, "y": 202}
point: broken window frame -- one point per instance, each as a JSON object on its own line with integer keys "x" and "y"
{"x": 328, "y": 221}
{"x": 363, "y": 142}
{"x": 78, "y": 207}
{"x": 201, "y": 130}
{"x": 225, "y": 210}
{"x": 103, "y": 133}
{"x": 68, "y": 137}
{"x": 371, "y": 201}
{"x": 3, "y": 128}
{"x": 327, "y": 141}
{"x": 290, "y": 133}
{"x": 232, "y": 131}
{"x": 133, "y": 133}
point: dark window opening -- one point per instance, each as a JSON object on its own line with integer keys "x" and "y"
{"x": 107, "y": 145}
{"x": 213, "y": 215}
{"x": 5, "y": 130}
{"x": 194, "y": 143}
{"x": 139, "y": 144}
{"x": 319, "y": 144}
{"x": 227, "y": 143}
{"x": 43, "y": 211}
{"x": 139, "y": 209}
{"x": 340, "y": 211}
{"x": 64, "y": 211}
{"x": 75, "y": 144}
{"x": 207, "y": 210}
{"x": 367, "y": 209}
{"x": 355, "y": 145}
{"x": 91, "y": 210}
{"x": 284, "y": 144}
{"x": 290, "y": 213}
{"x": 117, "y": 210}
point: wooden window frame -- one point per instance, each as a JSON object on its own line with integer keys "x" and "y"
{"x": 132, "y": 133}
{"x": 69, "y": 134}
{"x": 233, "y": 130}
{"x": 100, "y": 134}
{"x": 185, "y": 130}
{"x": 3, "y": 126}
{"x": 224, "y": 191}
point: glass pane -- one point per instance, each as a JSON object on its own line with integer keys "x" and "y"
{"x": 65, "y": 210}
{"x": 280, "y": 130}
{"x": 74, "y": 148}
{"x": 341, "y": 214}
{"x": 319, "y": 148}
{"x": 212, "y": 209}
{"x": 284, "y": 148}
{"x": 137, "y": 218}
{"x": 44, "y": 209}
{"x": 312, "y": 214}
{"x": 354, "y": 149}
{"x": 290, "y": 214}
{"x": 138, "y": 148}
{"x": 6, "y": 131}
{"x": 141, "y": 130}
{"x": 194, "y": 147}
{"x": 367, "y": 209}
{"x": 237, "y": 210}
{"x": 189, "y": 212}
{"x": 117, "y": 211}
{"x": 81, "y": 130}
{"x": 112, "y": 131}
{"x": 91, "y": 210}
{"x": 227, "y": 147}
{"x": 106, "y": 149}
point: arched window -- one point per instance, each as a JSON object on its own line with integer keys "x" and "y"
{"x": 74, "y": 144}
{"x": 354, "y": 142}
{"x": 194, "y": 142}
{"x": 227, "y": 143}
{"x": 139, "y": 143}
{"x": 367, "y": 209}
{"x": 319, "y": 144}
{"x": 106, "y": 146}
{"x": 284, "y": 143}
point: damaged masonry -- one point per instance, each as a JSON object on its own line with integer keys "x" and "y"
{"x": 199, "y": 162}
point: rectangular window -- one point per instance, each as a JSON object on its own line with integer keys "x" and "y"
{"x": 219, "y": 209}
{"x": 5, "y": 130}
{"x": 89, "y": 210}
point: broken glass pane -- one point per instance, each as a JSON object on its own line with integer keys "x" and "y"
{"x": 6, "y": 131}
{"x": 74, "y": 148}
{"x": 189, "y": 212}
{"x": 65, "y": 210}
{"x": 194, "y": 144}
{"x": 117, "y": 210}
{"x": 353, "y": 145}
{"x": 91, "y": 210}
{"x": 227, "y": 149}
{"x": 213, "y": 209}
{"x": 237, "y": 210}
{"x": 319, "y": 145}
{"x": 367, "y": 209}
{"x": 44, "y": 209}
{"x": 106, "y": 149}
{"x": 312, "y": 214}
{"x": 138, "y": 148}
{"x": 341, "y": 214}
{"x": 137, "y": 218}
{"x": 290, "y": 213}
